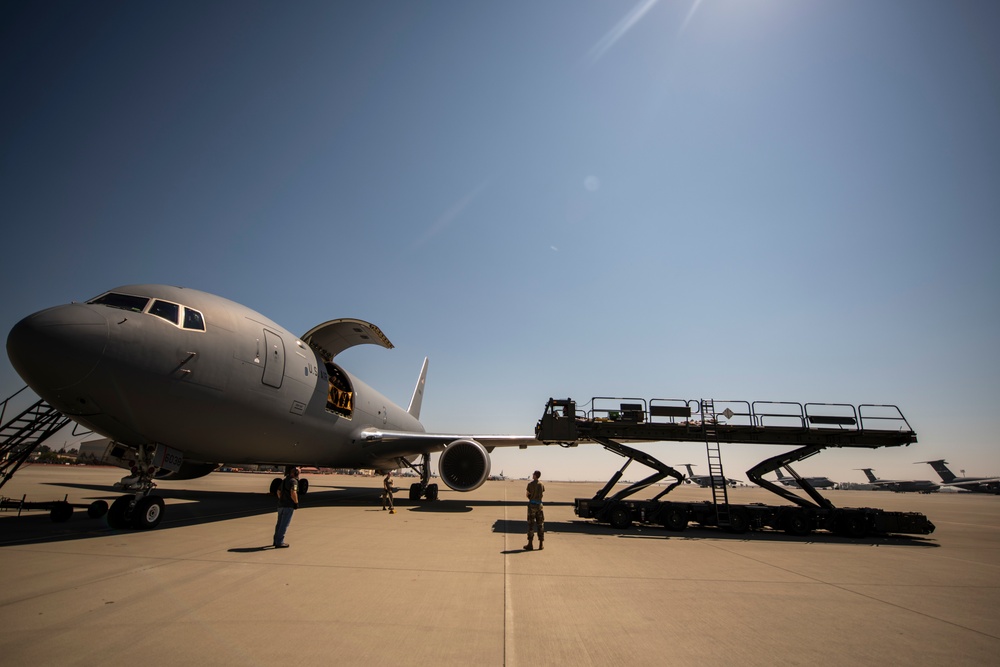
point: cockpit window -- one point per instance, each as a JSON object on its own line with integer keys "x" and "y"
{"x": 193, "y": 319}
{"x": 124, "y": 301}
{"x": 166, "y": 310}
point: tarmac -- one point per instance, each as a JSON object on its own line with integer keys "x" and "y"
{"x": 447, "y": 583}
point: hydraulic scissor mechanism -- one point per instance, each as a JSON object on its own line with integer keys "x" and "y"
{"x": 423, "y": 487}
{"x": 662, "y": 470}
{"x": 772, "y": 464}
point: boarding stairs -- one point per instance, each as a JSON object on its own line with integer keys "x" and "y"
{"x": 23, "y": 433}
{"x": 720, "y": 493}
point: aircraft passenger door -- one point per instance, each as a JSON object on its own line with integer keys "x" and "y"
{"x": 274, "y": 359}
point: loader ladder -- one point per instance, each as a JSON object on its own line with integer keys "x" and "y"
{"x": 720, "y": 495}
{"x": 20, "y": 435}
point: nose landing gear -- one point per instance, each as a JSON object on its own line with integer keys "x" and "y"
{"x": 143, "y": 513}
{"x": 141, "y": 509}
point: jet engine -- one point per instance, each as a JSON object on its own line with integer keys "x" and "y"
{"x": 464, "y": 465}
{"x": 189, "y": 470}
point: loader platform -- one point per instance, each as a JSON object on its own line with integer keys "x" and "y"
{"x": 809, "y": 427}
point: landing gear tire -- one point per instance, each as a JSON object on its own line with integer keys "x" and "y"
{"x": 61, "y": 512}
{"x": 119, "y": 511}
{"x": 275, "y": 485}
{"x": 432, "y": 492}
{"x": 674, "y": 519}
{"x": 97, "y": 509}
{"x": 147, "y": 513}
{"x": 619, "y": 518}
{"x": 303, "y": 487}
{"x": 415, "y": 491}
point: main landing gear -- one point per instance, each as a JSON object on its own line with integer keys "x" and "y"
{"x": 423, "y": 487}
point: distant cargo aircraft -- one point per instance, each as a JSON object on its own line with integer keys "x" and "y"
{"x": 703, "y": 480}
{"x": 974, "y": 484}
{"x": 182, "y": 380}
{"x": 816, "y": 482}
{"x": 901, "y": 485}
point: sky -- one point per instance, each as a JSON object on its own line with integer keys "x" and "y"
{"x": 758, "y": 201}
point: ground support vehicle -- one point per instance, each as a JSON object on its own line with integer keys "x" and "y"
{"x": 59, "y": 510}
{"x": 809, "y": 427}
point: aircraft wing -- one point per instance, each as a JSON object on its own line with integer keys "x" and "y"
{"x": 391, "y": 444}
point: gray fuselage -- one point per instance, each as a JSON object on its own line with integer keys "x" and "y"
{"x": 239, "y": 389}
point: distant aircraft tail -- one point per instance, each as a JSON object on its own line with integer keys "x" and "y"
{"x": 781, "y": 475}
{"x": 418, "y": 393}
{"x": 688, "y": 466}
{"x": 870, "y": 474}
{"x": 941, "y": 468}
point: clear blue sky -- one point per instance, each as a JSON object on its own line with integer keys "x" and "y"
{"x": 769, "y": 200}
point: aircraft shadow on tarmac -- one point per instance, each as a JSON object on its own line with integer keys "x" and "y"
{"x": 193, "y": 507}
{"x": 647, "y": 532}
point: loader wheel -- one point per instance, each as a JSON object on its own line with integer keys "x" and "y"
{"x": 619, "y": 517}
{"x": 674, "y": 519}
{"x": 797, "y": 523}
{"x": 852, "y": 526}
{"x": 739, "y": 522}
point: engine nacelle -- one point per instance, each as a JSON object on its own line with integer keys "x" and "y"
{"x": 464, "y": 465}
{"x": 189, "y": 470}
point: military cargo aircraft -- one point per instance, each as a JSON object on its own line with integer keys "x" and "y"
{"x": 900, "y": 485}
{"x": 817, "y": 482}
{"x": 974, "y": 484}
{"x": 181, "y": 380}
{"x": 704, "y": 481}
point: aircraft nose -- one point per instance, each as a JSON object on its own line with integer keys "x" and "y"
{"x": 58, "y": 347}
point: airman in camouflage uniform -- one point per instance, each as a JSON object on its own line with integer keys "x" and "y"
{"x": 536, "y": 517}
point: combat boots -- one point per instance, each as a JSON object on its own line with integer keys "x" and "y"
{"x": 541, "y": 541}
{"x": 529, "y": 546}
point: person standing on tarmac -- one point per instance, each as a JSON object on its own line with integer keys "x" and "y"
{"x": 536, "y": 518}
{"x": 387, "y": 492}
{"x": 288, "y": 502}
